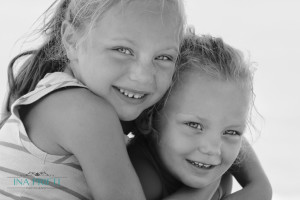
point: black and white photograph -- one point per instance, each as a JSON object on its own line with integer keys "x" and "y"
{"x": 149, "y": 100}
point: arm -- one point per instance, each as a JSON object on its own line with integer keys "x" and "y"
{"x": 251, "y": 177}
{"x": 249, "y": 174}
{"x": 88, "y": 127}
{"x": 151, "y": 181}
{"x": 207, "y": 193}
{"x": 152, "y": 185}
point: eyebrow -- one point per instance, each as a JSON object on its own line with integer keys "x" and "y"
{"x": 192, "y": 115}
{"x": 124, "y": 39}
{"x": 242, "y": 126}
{"x": 206, "y": 121}
{"x": 175, "y": 49}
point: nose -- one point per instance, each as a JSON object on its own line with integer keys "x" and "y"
{"x": 210, "y": 144}
{"x": 143, "y": 72}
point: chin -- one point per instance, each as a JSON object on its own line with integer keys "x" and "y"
{"x": 128, "y": 116}
{"x": 196, "y": 183}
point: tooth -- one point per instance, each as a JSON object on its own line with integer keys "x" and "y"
{"x": 200, "y": 165}
{"x": 130, "y": 94}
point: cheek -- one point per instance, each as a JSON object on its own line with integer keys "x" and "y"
{"x": 176, "y": 143}
{"x": 164, "y": 78}
{"x": 230, "y": 153}
{"x": 119, "y": 61}
{"x": 171, "y": 153}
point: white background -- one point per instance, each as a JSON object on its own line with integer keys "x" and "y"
{"x": 266, "y": 30}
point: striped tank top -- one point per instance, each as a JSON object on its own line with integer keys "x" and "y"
{"x": 26, "y": 172}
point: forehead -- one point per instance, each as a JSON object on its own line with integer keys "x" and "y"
{"x": 207, "y": 97}
{"x": 142, "y": 17}
{"x": 154, "y": 6}
{"x": 165, "y": 9}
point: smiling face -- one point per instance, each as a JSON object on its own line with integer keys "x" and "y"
{"x": 200, "y": 128}
{"x": 128, "y": 57}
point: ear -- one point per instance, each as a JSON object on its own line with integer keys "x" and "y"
{"x": 69, "y": 39}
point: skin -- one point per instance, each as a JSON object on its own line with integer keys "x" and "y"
{"x": 224, "y": 104}
{"x": 133, "y": 47}
{"x": 203, "y": 121}
{"x": 123, "y": 52}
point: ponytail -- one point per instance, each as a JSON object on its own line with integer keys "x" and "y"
{"x": 50, "y": 57}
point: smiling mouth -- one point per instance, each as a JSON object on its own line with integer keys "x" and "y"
{"x": 200, "y": 165}
{"x": 131, "y": 94}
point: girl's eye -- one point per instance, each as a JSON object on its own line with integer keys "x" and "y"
{"x": 124, "y": 51}
{"x": 195, "y": 125}
{"x": 165, "y": 58}
{"x": 232, "y": 132}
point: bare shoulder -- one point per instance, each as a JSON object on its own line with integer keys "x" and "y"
{"x": 63, "y": 114}
{"x": 83, "y": 115}
{"x": 86, "y": 126}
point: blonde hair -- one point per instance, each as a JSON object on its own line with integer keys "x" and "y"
{"x": 208, "y": 56}
{"x": 51, "y": 56}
